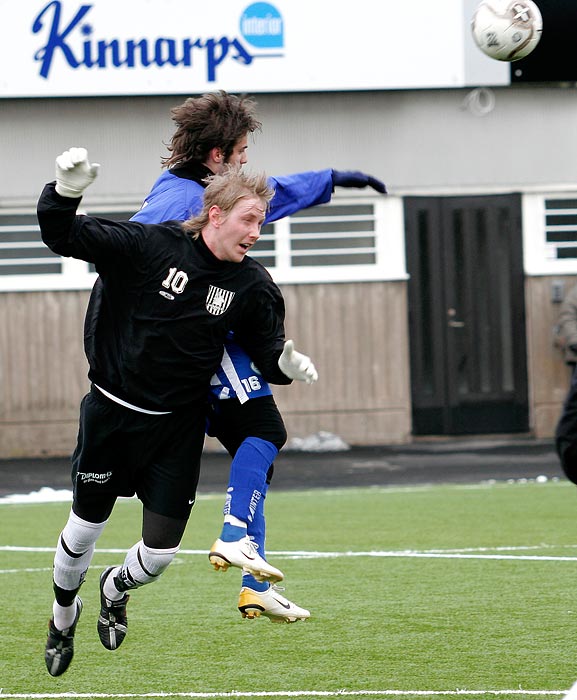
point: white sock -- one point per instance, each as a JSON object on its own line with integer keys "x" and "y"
{"x": 74, "y": 551}
{"x": 64, "y": 616}
{"x": 142, "y": 565}
{"x": 232, "y": 520}
{"x": 110, "y": 590}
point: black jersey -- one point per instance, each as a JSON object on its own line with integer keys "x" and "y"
{"x": 167, "y": 305}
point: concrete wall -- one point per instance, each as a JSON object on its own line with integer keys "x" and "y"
{"x": 445, "y": 142}
{"x": 416, "y": 140}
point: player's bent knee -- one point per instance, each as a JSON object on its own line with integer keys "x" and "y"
{"x": 156, "y": 561}
{"x": 143, "y": 565}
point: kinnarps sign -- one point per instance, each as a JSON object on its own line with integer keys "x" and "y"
{"x": 75, "y": 42}
{"x": 130, "y": 47}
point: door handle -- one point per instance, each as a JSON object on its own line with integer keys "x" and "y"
{"x": 451, "y": 313}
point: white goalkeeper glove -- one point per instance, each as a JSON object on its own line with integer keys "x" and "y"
{"x": 74, "y": 173}
{"x": 296, "y": 365}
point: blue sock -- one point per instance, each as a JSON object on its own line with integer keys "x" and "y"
{"x": 232, "y": 533}
{"x": 247, "y": 481}
{"x": 249, "y": 581}
{"x": 256, "y": 531}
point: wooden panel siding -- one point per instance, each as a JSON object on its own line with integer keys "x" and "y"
{"x": 356, "y": 334}
{"x": 549, "y": 376}
{"x": 42, "y": 371}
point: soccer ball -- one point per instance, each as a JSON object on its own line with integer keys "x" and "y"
{"x": 507, "y": 30}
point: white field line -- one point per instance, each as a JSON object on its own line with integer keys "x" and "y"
{"x": 487, "y": 553}
{"x": 47, "y": 494}
{"x": 295, "y": 694}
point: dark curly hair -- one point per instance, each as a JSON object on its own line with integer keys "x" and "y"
{"x": 215, "y": 119}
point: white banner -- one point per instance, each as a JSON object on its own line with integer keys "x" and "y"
{"x": 136, "y": 47}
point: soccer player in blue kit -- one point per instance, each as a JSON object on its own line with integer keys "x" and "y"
{"x": 211, "y": 135}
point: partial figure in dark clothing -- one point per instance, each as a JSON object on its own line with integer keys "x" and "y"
{"x": 565, "y": 332}
{"x": 565, "y": 337}
{"x": 170, "y": 295}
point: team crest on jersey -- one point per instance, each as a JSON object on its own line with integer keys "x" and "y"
{"x": 218, "y": 300}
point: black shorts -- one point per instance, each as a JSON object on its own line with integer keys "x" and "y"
{"x": 232, "y": 422}
{"x": 122, "y": 452}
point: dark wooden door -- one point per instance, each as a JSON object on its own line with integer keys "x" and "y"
{"x": 466, "y": 315}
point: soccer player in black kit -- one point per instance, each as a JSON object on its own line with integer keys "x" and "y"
{"x": 171, "y": 293}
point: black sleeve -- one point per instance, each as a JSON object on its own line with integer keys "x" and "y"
{"x": 262, "y": 335}
{"x": 56, "y": 216}
{"x": 85, "y": 237}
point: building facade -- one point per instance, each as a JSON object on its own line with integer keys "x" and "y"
{"x": 427, "y": 312}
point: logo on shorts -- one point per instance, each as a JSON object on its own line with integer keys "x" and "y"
{"x": 93, "y": 477}
{"x": 218, "y": 300}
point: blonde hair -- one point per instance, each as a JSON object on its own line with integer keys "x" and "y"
{"x": 224, "y": 191}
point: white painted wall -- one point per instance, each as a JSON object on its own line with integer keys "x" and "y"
{"x": 417, "y": 141}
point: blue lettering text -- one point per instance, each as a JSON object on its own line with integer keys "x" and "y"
{"x": 56, "y": 38}
{"x": 76, "y": 44}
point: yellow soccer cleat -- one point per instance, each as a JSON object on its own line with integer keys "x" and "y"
{"x": 271, "y": 604}
{"x": 243, "y": 554}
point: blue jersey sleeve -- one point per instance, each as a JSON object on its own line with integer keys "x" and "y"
{"x": 171, "y": 198}
{"x": 299, "y": 191}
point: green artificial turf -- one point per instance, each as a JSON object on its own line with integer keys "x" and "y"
{"x": 442, "y": 591}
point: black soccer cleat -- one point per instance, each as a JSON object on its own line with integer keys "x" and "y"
{"x": 112, "y": 622}
{"x": 60, "y": 645}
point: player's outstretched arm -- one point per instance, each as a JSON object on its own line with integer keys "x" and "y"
{"x": 83, "y": 237}
{"x": 296, "y": 365}
{"x": 74, "y": 172}
{"x": 354, "y": 178}
{"x": 308, "y": 189}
